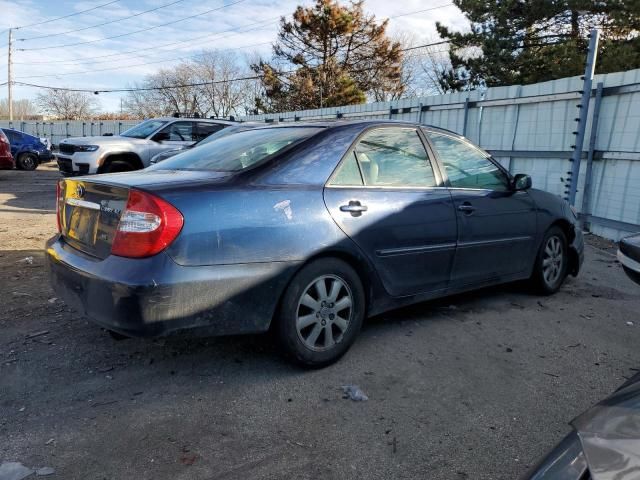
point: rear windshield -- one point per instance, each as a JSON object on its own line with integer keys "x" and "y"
{"x": 237, "y": 152}
{"x": 144, "y": 129}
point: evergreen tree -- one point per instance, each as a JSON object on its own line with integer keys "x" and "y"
{"x": 338, "y": 55}
{"x": 520, "y": 42}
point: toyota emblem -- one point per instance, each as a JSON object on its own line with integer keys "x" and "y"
{"x": 79, "y": 191}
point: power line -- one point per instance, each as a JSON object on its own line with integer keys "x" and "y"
{"x": 145, "y": 89}
{"x": 136, "y": 31}
{"x": 101, "y": 24}
{"x": 134, "y": 65}
{"x": 67, "y": 16}
{"x": 261, "y": 24}
{"x": 421, "y": 11}
{"x": 155, "y": 47}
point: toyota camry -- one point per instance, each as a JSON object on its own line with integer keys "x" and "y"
{"x": 305, "y": 229}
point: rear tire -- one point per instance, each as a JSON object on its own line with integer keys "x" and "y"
{"x": 552, "y": 262}
{"x": 320, "y": 313}
{"x": 27, "y": 161}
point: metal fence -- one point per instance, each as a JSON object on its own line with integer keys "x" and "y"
{"x": 56, "y": 131}
{"x": 529, "y": 129}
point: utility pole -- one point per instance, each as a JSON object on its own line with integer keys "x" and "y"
{"x": 9, "y": 79}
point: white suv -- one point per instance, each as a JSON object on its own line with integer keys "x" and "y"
{"x": 132, "y": 149}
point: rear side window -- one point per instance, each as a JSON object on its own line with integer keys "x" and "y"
{"x": 204, "y": 129}
{"x": 349, "y": 173}
{"x": 239, "y": 151}
{"x": 180, "y": 132}
{"x": 466, "y": 165}
{"x": 13, "y": 136}
{"x": 388, "y": 157}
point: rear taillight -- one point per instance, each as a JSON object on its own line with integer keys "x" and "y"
{"x": 59, "y": 202}
{"x": 147, "y": 226}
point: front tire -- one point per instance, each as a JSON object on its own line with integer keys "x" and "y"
{"x": 320, "y": 313}
{"x": 117, "y": 166}
{"x": 27, "y": 161}
{"x": 552, "y": 262}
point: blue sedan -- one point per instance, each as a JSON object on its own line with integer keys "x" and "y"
{"x": 27, "y": 150}
{"x": 305, "y": 229}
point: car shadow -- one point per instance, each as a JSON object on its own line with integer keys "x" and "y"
{"x": 18, "y": 193}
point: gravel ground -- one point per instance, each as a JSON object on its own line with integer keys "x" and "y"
{"x": 473, "y": 386}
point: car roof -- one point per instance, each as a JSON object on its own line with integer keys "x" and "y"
{"x": 364, "y": 122}
{"x": 190, "y": 119}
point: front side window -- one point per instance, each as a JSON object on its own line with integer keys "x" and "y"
{"x": 394, "y": 157}
{"x": 144, "y": 129}
{"x": 239, "y": 151}
{"x": 467, "y": 166}
{"x": 179, "y": 132}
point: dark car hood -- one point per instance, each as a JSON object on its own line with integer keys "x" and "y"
{"x": 157, "y": 179}
{"x": 610, "y": 435}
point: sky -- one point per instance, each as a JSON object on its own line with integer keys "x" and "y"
{"x": 88, "y": 58}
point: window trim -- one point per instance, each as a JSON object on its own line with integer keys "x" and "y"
{"x": 464, "y": 140}
{"x": 439, "y": 179}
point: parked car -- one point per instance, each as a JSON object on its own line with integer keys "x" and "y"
{"x": 629, "y": 256}
{"x": 308, "y": 228}
{"x": 27, "y": 150}
{"x": 6, "y": 158}
{"x": 133, "y": 148}
{"x": 604, "y": 442}
{"x": 214, "y": 136}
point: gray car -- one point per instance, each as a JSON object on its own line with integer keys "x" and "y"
{"x": 211, "y": 138}
{"x": 133, "y": 148}
{"x": 603, "y": 445}
{"x": 307, "y": 228}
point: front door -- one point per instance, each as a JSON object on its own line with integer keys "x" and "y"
{"x": 496, "y": 225}
{"x": 387, "y": 197}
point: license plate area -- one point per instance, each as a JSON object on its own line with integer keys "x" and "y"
{"x": 83, "y": 219}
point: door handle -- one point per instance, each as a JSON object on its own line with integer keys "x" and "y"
{"x": 354, "y": 207}
{"x": 467, "y": 208}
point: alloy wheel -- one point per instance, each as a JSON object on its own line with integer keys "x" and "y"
{"x": 552, "y": 260}
{"x": 324, "y": 312}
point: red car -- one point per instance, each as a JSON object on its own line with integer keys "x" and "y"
{"x": 6, "y": 159}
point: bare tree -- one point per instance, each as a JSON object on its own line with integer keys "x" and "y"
{"x": 225, "y": 94}
{"x": 205, "y": 86}
{"x": 23, "y": 109}
{"x": 66, "y": 104}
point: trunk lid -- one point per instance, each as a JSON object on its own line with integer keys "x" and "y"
{"x": 90, "y": 210}
{"x": 89, "y": 214}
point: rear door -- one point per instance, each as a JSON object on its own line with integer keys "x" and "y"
{"x": 496, "y": 225}
{"x": 204, "y": 129}
{"x": 387, "y": 196}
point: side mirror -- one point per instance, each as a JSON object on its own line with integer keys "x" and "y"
{"x": 160, "y": 137}
{"x": 521, "y": 181}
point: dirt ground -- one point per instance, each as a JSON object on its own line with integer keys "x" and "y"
{"x": 474, "y": 386}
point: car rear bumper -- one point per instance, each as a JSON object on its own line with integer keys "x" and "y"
{"x": 155, "y": 296}
{"x": 6, "y": 162}
{"x": 577, "y": 251}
